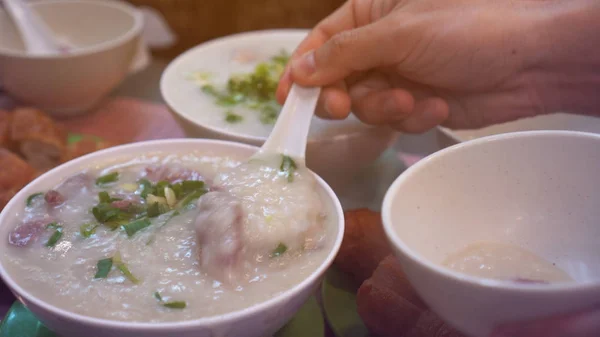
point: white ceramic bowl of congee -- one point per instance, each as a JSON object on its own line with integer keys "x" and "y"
{"x": 336, "y": 150}
{"x": 147, "y": 277}
{"x": 501, "y": 229}
{"x": 104, "y": 36}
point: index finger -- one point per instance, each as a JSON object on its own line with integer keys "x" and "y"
{"x": 340, "y": 20}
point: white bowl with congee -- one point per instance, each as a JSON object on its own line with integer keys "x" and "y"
{"x": 225, "y": 89}
{"x": 501, "y": 229}
{"x": 170, "y": 238}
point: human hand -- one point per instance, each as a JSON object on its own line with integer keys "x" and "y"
{"x": 414, "y": 64}
{"x": 584, "y": 324}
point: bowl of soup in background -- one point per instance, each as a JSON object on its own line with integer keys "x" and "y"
{"x": 557, "y": 121}
{"x": 502, "y": 228}
{"x": 121, "y": 307}
{"x": 106, "y": 35}
{"x": 336, "y": 150}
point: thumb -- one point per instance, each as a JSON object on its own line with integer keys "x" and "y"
{"x": 350, "y": 51}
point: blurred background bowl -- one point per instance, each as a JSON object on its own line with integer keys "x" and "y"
{"x": 106, "y": 35}
{"x": 538, "y": 190}
{"x": 558, "y": 121}
{"x": 337, "y": 151}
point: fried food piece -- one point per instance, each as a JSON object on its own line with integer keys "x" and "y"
{"x": 389, "y": 306}
{"x": 86, "y": 145}
{"x": 14, "y": 174}
{"x": 38, "y": 138}
{"x": 364, "y": 244}
{"x": 5, "y": 121}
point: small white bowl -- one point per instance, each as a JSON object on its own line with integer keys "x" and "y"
{"x": 106, "y": 35}
{"x": 259, "y": 320}
{"x": 558, "y": 121}
{"x": 538, "y": 190}
{"x": 336, "y": 150}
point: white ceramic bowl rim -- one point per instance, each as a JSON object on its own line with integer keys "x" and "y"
{"x": 162, "y": 326}
{"x": 244, "y": 136}
{"x": 417, "y": 258}
{"x": 138, "y": 25}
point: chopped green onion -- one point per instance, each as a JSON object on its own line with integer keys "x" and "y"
{"x": 156, "y": 209}
{"x": 87, "y": 230}
{"x": 146, "y": 188}
{"x": 279, "y": 250}
{"x": 103, "y": 268}
{"x": 187, "y": 186}
{"x": 189, "y": 198}
{"x": 135, "y": 226}
{"x": 288, "y": 166}
{"x": 104, "y": 197}
{"x": 58, "y": 232}
{"x": 172, "y": 304}
{"x": 104, "y": 212}
{"x": 175, "y": 305}
{"x": 231, "y": 117}
{"x": 159, "y": 189}
{"x": 31, "y": 197}
{"x": 107, "y": 179}
{"x": 123, "y": 268}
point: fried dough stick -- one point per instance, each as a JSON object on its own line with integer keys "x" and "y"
{"x": 14, "y": 174}
{"x": 364, "y": 244}
{"x": 389, "y": 306}
{"x": 38, "y": 138}
{"x": 5, "y": 121}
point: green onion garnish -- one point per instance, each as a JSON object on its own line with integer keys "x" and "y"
{"x": 123, "y": 268}
{"x": 107, "y": 179}
{"x": 189, "y": 198}
{"x": 103, "y": 268}
{"x": 288, "y": 166}
{"x": 279, "y": 250}
{"x": 135, "y": 226}
{"x": 171, "y": 305}
{"x": 146, "y": 188}
{"x": 104, "y": 197}
{"x": 31, "y": 197}
{"x": 175, "y": 305}
{"x": 157, "y": 209}
{"x": 104, "y": 212}
{"x": 58, "y": 232}
{"x": 231, "y": 117}
{"x": 87, "y": 230}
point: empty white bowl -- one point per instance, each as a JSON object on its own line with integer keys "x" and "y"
{"x": 538, "y": 190}
{"x": 336, "y": 150}
{"x": 259, "y": 320}
{"x": 106, "y": 37}
{"x": 558, "y": 121}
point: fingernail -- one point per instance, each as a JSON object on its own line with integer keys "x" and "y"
{"x": 305, "y": 64}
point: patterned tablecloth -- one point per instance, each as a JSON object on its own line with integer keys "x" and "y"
{"x": 131, "y": 120}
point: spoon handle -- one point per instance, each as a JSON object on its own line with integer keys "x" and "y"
{"x": 34, "y": 32}
{"x": 290, "y": 133}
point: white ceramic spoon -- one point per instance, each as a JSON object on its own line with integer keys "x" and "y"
{"x": 37, "y": 37}
{"x": 290, "y": 133}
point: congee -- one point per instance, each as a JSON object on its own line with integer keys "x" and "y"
{"x": 171, "y": 237}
